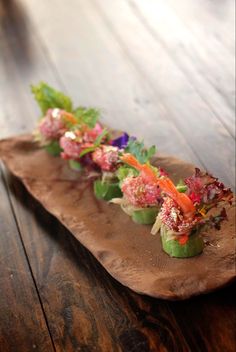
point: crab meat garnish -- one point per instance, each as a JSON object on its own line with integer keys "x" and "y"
{"x": 140, "y": 193}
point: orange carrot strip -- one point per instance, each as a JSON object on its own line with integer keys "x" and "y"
{"x": 165, "y": 184}
{"x": 70, "y": 118}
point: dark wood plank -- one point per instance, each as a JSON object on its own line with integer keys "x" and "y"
{"x": 186, "y": 108}
{"x": 211, "y": 328}
{"x": 22, "y": 323}
{"x": 197, "y": 44}
{"x": 86, "y": 308}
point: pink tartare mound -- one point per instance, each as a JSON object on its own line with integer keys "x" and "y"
{"x": 91, "y": 134}
{"x": 140, "y": 193}
{"x": 72, "y": 147}
{"x": 106, "y": 157}
{"x": 172, "y": 216}
{"x": 52, "y": 126}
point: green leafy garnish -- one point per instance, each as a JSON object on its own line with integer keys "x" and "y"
{"x": 75, "y": 165}
{"x": 86, "y": 151}
{"x": 106, "y": 190}
{"x": 137, "y": 149}
{"x": 125, "y": 171}
{"x": 48, "y": 97}
{"x": 53, "y": 148}
{"x": 87, "y": 116}
{"x": 96, "y": 144}
{"x": 99, "y": 138}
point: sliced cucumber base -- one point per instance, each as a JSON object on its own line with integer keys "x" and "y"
{"x": 75, "y": 165}
{"x": 193, "y": 247}
{"x": 106, "y": 190}
{"x": 146, "y": 216}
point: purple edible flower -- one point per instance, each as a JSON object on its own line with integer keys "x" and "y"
{"x": 121, "y": 142}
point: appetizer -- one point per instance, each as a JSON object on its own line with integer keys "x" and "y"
{"x": 107, "y": 158}
{"x": 183, "y": 217}
{"x": 78, "y": 143}
{"x": 126, "y": 177}
{"x": 141, "y": 198}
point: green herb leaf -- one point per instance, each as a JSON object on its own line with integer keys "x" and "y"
{"x": 138, "y": 149}
{"x": 88, "y": 116}
{"x": 47, "y": 97}
{"x": 53, "y": 148}
{"x": 106, "y": 191}
{"x": 125, "y": 171}
{"x": 100, "y": 189}
{"x": 97, "y": 142}
{"x": 151, "y": 151}
{"x": 99, "y": 139}
{"x": 86, "y": 151}
{"x": 75, "y": 165}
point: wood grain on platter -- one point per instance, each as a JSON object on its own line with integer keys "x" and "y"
{"x": 127, "y": 251}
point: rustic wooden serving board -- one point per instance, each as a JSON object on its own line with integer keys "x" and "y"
{"x": 127, "y": 251}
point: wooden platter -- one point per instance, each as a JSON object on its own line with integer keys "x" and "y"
{"x": 127, "y": 251}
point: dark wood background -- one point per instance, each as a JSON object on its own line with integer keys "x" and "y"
{"x": 162, "y": 70}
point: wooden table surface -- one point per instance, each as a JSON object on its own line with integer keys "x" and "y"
{"x": 162, "y": 70}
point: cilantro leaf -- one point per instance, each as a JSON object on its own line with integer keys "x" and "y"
{"x": 48, "y": 97}
{"x": 53, "y": 148}
{"x": 96, "y": 144}
{"x": 86, "y": 151}
{"x": 139, "y": 151}
{"x": 99, "y": 139}
{"x": 125, "y": 171}
{"x": 88, "y": 116}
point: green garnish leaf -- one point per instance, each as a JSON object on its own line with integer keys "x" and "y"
{"x": 48, "y": 97}
{"x": 86, "y": 151}
{"x": 106, "y": 190}
{"x": 87, "y": 116}
{"x": 99, "y": 139}
{"x": 53, "y": 148}
{"x": 75, "y": 165}
{"x": 138, "y": 149}
{"x": 100, "y": 189}
{"x": 125, "y": 171}
{"x": 97, "y": 142}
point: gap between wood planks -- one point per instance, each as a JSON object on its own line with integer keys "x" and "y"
{"x": 23, "y": 321}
